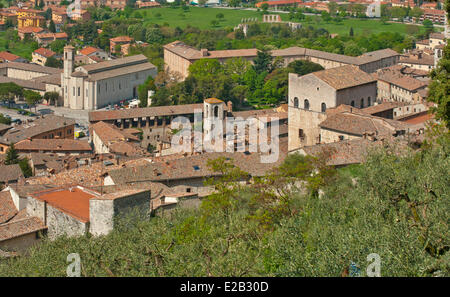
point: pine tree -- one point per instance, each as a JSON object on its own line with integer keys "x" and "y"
{"x": 52, "y": 27}
{"x": 12, "y": 157}
{"x": 351, "y": 31}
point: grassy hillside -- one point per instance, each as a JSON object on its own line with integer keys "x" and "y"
{"x": 201, "y": 17}
{"x": 398, "y": 208}
{"x": 15, "y": 46}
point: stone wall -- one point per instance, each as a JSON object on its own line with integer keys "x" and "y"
{"x": 104, "y": 212}
{"x": 176, "y": 63}
{"x": 20, "y": 243}
{"x": 36, "y": 208}
{"x": 327, "y": 136}
{"x": 60, "y": 223}
{"x": 304, "y": 121}
{"x": 24, "y": 74}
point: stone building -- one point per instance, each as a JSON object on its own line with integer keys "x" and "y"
{"x": 10, "y": 174}
{"x": 312, "y": 94}
{"x": 32, "y": 77}
{"x": 44, "y": 39}
{"x": 47, "y": 127}
{"x": 29, "y": 18}
{"x": 75, "y": 210}
{"x": 17, "y": 230}
{"x": 95, "y": 54}
{"x": 155, "y": 122}
{"x": 101, "y": 84}
{"x": 394, "y": 86}
{"x": 41, "y": 55}
{"x": 107, "y": 138}
{"x": 178, "y": 57}
{"x": 57, "y": 146}
{"x": 122, "y": 42}
{"x": 418, "y": 60}
{"x": 352, "y": 124}
{"x": 8, "y": 57}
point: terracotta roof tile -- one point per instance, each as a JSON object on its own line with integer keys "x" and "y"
{"x": 7, "y": 207}
{"x": 40, "y": 125}
{"x": 56, "y": 145}
{"x": 45, "y": 52}
{"x": 89, "y": 50}
{"x": 344, "y": 152}
{"x": 344, "y": 77}
{"x": 8, "y": 56}
{"x": 20, "y": 227}
{"x": 74, "y": 200}
{"x": 10, "y": 173}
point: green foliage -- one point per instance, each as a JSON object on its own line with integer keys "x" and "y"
{"x": 12, "y": 157}
{"x": 58, "y": 46}
{"x": 32, "y": 97}
{"x": 8, "y": 91}
{"x": 4, "y": 120}
{"x": 25, "y": 167}
{"x": 439, "y": 88}
{"x": 263, "y": 61}
{"x": 302, "y": 67}
{"x": 154, "y": 35}
{"x": 143, "y": 91}
{"x": 51, "y": 97}
{"x": 52, "y": 27}
{"x": 53, "y": 62}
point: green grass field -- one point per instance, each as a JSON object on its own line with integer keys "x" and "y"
{"x": 23, "y": 49}
{"x": 201, "y": 17}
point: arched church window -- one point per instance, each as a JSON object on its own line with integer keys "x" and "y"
{"x": 306, "y": 104}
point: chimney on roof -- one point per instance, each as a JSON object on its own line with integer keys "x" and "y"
{"x": 204, "y": 52}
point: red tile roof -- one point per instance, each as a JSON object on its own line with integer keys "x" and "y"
{"x": 30, "y": 30}
{"x": 45, "y": 52}
{"x": 8, "y": 56}
{"x": 56, "y": 145}
{"x": 121, "y": 39}
{"x": 279, "y": 2}
{"x": 89, "y": 50}
{"x": 74, "y": 200}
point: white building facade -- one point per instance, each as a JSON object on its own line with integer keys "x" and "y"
{"x": 98, "y": 85}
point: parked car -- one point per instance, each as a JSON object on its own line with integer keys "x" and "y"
{"x": 45, "y": 111}
{"x": 16, "y": 121}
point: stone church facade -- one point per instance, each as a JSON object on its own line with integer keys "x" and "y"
{"x": 101, "y": 84}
